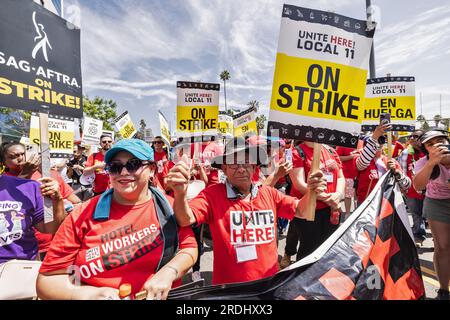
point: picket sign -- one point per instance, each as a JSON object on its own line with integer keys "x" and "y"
{"x": 45, "y": 159}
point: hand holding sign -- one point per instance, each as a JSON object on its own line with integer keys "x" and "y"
{"x": 178, "y": 177}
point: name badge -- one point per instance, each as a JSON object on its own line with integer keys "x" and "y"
{"x": 330, "y": 177}
{"x": 246, "y": 253}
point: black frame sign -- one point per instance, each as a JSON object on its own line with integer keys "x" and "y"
{"x": 40, "y": 60}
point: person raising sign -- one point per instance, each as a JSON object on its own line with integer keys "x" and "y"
{"x": 126, "y": 235}
{"x": 242, "y": 216}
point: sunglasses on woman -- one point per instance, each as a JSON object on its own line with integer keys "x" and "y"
{"x": 132, "y": 166}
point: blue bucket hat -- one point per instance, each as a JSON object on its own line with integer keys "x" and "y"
{"x": 136, "y": 147}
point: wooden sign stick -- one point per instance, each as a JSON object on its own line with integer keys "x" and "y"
{"x": 315, "y": 165}
{"x": 45, "y": 159}
{"x": 389, "y": 145}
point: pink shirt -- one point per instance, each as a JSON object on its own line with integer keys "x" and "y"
{"x": 439, "y": 187}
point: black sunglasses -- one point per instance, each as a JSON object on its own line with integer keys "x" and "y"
{"x": 107, "y": 142}
{"x": 159, "y": 142}
{"x": 132, "y": 166}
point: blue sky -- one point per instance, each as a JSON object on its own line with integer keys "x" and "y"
{"x": 134, "y": 51}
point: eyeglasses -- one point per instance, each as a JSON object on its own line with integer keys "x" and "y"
{"x": 132, "y": 166}
{"x": 157, "y": 142}
{"x": 246, "y": 166}
{"x": 414, "y": 136}
{"x": 104, "y": 142}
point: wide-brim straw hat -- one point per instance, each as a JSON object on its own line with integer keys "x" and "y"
{"x": 245, "y": 151}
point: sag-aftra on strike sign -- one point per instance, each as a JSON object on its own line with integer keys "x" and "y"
{"x": 39, "y": 60}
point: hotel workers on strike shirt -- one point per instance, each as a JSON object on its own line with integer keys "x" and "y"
{"x": 126, "y": 248}
{"x": 245, "y": 242}
{"x": 21, "y": 208}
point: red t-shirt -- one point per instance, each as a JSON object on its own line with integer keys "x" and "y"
{"x": 399, "y": 147}
{"x": 330, "y": 164}
{"x": 101, "y": 182}
{"x": 45, "y": 239}
{"x": 348, "y": 167}
{"x": 229, "y": 231}
{"x": 368, "y": 178}
{"x": 206, "y": 153}
{"x": 161, "y": 160}
{"x": 410, "y": 162}
{"x": 126, "y": 248}
{"x": 158, "y": 156}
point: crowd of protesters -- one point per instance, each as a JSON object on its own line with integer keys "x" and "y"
{"x": 134, "y": 213}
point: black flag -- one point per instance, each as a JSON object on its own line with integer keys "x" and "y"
{"x": 372, "y": 256}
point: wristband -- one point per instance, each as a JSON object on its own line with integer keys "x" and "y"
{"x": 174, "y": 269}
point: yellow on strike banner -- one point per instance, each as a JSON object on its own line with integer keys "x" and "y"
{"x": 61, "y": 133}
{"x": 164, "y": 127}
{"x": 245, "y": 123}
{"x": 197, "y": 108}
{"x": 394, "y": 95}
{"x": 320, "y": 77}
{"x": 125, "y": 126}
{"x": 226, "y": 125}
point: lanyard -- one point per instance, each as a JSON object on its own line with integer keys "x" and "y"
{"x": 244, "y": 218}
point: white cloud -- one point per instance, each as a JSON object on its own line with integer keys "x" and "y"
{"x": 137, "y": 50}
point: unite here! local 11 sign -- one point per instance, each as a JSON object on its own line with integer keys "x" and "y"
{"x": 125, "y": 126}
{"x": 39, "y": 60}
{"x": 197, "y": 109}
{"x": 320, "y": 77}
{"x": 393, "y": 95}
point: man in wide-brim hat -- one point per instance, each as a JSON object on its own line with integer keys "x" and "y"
{"x": 242, "y": 216}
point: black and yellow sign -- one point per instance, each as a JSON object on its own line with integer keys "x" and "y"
{"x": 197, "y": 108}
{"x": 39, "y": 60}
{"x": 245, "y": 123}
{"x": 125, "y": 126}
{"x": 61, "y": 134}
{"x": 393, "y": 95}
{"x": 320, "y": 77}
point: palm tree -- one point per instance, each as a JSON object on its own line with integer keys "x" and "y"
{"x": 254, "y": 104}
{"x": 225, "y": 76}
{"x": 261, "y": 122}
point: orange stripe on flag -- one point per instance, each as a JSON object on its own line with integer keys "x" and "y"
{"x": 408, "y": 287}
{"x": 337, "y": 283}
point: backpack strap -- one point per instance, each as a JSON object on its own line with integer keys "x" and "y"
{"x": 300, "y": 152}
{"x": 168, "y": 224}
{"x": 166, "y": 218}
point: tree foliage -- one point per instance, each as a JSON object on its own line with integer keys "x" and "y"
{"x": 101, "y": 109}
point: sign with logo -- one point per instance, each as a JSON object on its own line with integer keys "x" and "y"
{"x": 61, "y": 133}
{"x": 226, "y": 125}
{"x": 394, "y": 95}
{"x": 245, "y": 123}
{"x": 165, "y": 130}
{"x": 197, "y": 108}
{"x": 252, "y": 227}
{"x": 39, "y": 60}
{"x": 125, "y": 126}
{"x": 92, "y": 131}
{"x": 320, "y": 77}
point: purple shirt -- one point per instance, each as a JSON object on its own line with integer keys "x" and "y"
{"x": 439, "y": 187}
{"x": 21, "y": 207}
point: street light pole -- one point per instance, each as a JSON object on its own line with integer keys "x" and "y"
{"x": 372, "y": 51}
